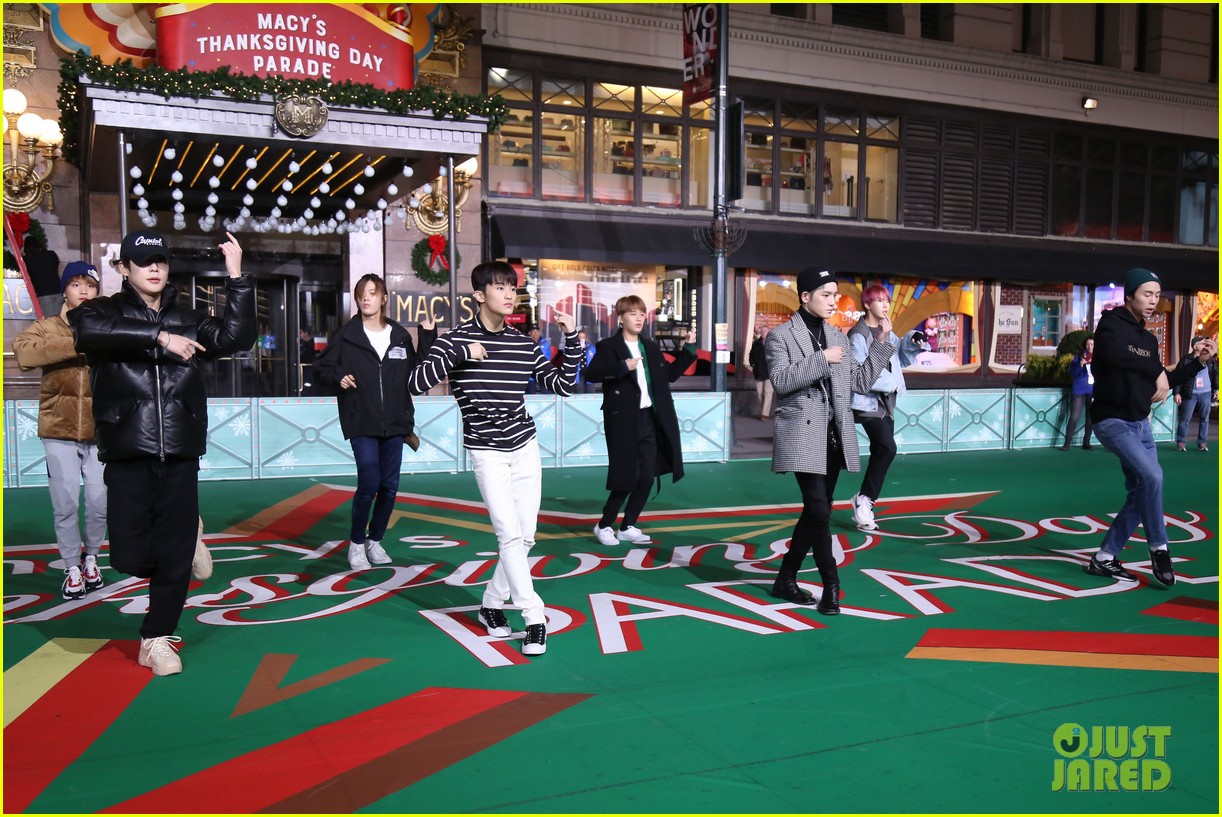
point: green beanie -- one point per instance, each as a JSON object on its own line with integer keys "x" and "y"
{"x": 1135, "y": 278}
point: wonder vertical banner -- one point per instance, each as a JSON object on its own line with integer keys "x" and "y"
{"x": 700, "y": 21}
{"x": 340, "y": 42}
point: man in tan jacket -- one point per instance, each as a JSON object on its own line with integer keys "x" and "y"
{"x": 65, "y": 424}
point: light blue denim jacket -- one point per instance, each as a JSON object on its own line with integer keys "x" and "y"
{"x": 906, "y": 351}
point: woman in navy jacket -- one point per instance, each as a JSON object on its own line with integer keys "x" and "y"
{"x": 638, "y": 418}
{"x": 1083, "y": 384}
{"x": 368, "y": 362}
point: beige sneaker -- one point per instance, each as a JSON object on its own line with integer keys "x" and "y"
{"x": 160, "y": 655}
{"x": 201, "y": 564}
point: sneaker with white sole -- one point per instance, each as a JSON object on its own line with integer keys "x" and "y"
{"x": 634, "y": 535}
{"x": 201, "y": 562}
{"x": 74, "y": 585}
{"x": 1110, "y": 568}
{"x": 535, "y": 642}
{"x": 91, "y": 573}
{"x": 376, "y": 553}
{"x": 605, "y": 536}
{"x": 357, "y": 560}
{"x": 160, "y": 655}
{"x": 863, "y": 512}
{"x": 494, "y": 622}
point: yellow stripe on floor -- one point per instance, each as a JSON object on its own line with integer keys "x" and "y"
{"x": 33, "y": 676}
{"x": 1164, "y": 663}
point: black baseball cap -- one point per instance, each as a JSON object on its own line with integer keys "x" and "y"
{"x": 144, "y": 245}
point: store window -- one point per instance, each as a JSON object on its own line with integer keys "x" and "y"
{"x": 510, "y": 150}
{"x": 1047, "y": 315}
{"x": 562, "y": 156}
{"x": 880, "y": 184}
{"x": 614, "y": 161}
{"x": 588, "y": 291}
{"x": 662, "y": 147}
{"x": 757, "y": 168}
{"x": 840, "y": 180}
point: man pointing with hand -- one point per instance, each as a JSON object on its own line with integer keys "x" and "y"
{"x": 151, "y": 417}
{"x": 489, "y": 363}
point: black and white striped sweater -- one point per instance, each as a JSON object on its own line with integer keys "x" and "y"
{"x": 490, "y": 392}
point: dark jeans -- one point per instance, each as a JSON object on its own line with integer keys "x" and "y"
{"x": 881, "y": 431}
{"x": 647, "y": 463}
{"x": 378, "y": 460}
{"x": 813, "y": 531}
{"x": 153, "y": 514}
{"x": 1079, "y": 405}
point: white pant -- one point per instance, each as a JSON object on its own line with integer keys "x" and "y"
{"x": 511, "y": 483}
{"x": 67, "y": 463}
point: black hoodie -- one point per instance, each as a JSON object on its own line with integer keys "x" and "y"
{"x": 1126, "y": 368}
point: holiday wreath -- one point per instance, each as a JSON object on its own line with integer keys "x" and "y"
{"x": 430, "y": 261}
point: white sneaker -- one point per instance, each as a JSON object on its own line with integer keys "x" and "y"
{"x": 201, "y": 563}
{"x": 634, "y": 535}
{"x": 376, "y": 553}
{"x": 357, "y": 560}
{"x": 605, "y": 536}
{"x": 91, "y": 573}
{"x": 863, "y": 512}
{"x": 535, "y": 642}
{"x": 160, "y": 655}
{"x": 74, "y": 585}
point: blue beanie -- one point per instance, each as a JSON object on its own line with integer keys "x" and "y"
{"x": 76, "y": 269}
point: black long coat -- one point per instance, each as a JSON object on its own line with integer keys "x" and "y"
{"x": 621, "y": 408}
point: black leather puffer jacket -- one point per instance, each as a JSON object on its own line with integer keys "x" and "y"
{"x": 147, "y": 402}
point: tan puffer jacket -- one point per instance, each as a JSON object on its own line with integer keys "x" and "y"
{"x": 65, "y": 401}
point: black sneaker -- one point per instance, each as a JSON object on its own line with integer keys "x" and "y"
{"x": 1112, "y": 569}
{"x": 536, "y": 640}
{"x": 495, "y": 622}
{"x": 1160, "y": 561}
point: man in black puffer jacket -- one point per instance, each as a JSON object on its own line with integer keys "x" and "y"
{"x": 151, "y": 418}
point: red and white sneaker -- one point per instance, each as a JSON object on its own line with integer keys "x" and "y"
{"x": 93, "y": 576}
{"x": 74, "y": 584}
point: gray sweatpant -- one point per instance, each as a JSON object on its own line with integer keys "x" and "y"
{"x": 67, "y": 462}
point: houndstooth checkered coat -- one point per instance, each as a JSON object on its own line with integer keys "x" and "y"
{"x": 799, "y": 440}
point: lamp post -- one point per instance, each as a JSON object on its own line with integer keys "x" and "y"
{"x": 33, "y": 144}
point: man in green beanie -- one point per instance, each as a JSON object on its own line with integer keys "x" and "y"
{"x": 1129, "y": 379}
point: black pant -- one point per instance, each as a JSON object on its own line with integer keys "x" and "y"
{"x": 813, "y": 530}
{"x": 881, "y": 431}
{"x": 646, "y": 470}
{"x": 153, "y": 516}
{"x": 1080, "y": 404}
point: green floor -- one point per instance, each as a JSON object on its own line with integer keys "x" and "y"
{"x": 676, "y": 687}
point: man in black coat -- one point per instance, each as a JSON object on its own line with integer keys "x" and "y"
{"x": 638, "y": 418}
{"x": 150, "y": 414}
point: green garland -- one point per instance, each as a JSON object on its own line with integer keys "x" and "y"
{"x": 125, "y": 76}
{"x": 421, "y": 253}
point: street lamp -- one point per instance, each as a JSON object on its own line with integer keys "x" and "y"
{"x": 33, "y": 143}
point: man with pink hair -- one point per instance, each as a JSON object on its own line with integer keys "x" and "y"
{"x": 875, "y": 408}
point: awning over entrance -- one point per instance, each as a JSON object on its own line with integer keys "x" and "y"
{"x": 215, "y": 137}
{"x": 786, "y": 247}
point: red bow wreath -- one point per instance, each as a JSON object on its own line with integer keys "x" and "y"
{"x": 437, "y": 246}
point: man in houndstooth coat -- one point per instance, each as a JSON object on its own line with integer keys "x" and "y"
{"x": 814, "y": 376}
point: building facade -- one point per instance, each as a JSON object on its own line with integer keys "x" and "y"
{"x": 997, "y": 166}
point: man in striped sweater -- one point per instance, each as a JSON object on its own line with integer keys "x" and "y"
{"x": 488, "y": 364}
